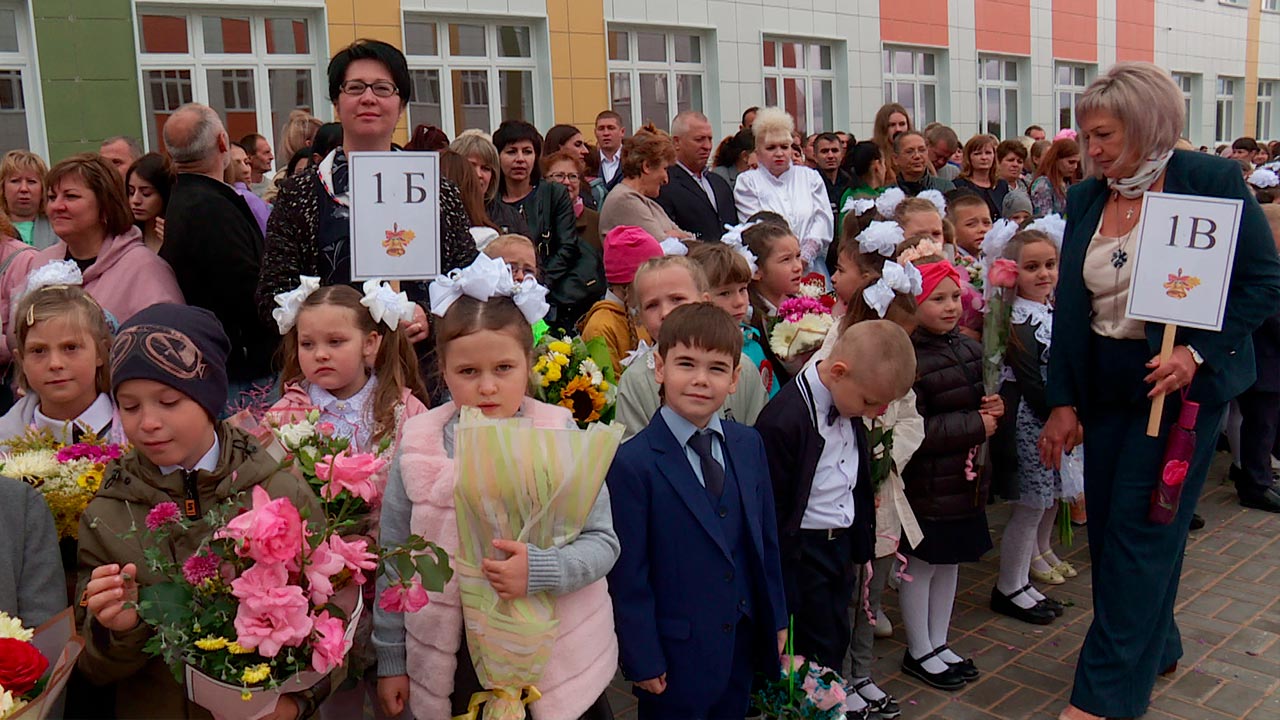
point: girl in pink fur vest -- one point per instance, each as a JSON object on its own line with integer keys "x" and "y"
{"x": 485, "y": 347}
{"x": 347, "y": 357}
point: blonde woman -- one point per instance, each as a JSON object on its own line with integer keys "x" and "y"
{"x": 22, "y": 178}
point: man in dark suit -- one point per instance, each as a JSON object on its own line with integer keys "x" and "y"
{"x": 1260, "y": 424}
{"x": 697, "y": 590}
{"x": 695, "y": 199}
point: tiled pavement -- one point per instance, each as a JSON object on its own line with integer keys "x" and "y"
{"x": 1228, "y": 611}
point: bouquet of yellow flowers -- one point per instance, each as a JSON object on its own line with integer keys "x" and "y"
{"x": 68, "y": 476}
{"x": 577, "y": 375}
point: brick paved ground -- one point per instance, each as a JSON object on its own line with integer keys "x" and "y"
{"x": 1228, "y": 611}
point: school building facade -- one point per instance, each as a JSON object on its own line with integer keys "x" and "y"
{"x": 73, "y": 72}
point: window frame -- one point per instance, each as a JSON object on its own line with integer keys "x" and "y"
{"x": 1074, "y": 90}
{"x": 891, "y": 79}
{"x": 633, "y": 67}
{"x": 1225, "y": 100}
{"x": 809, "y": 75}
{"x": 1266, "y": 102}
{"x": 1188, "y": 99}
{"x": 199, "y": 62}
{"x": 493, "y": 65}
{"x": 25, "y": 62}
{"x": 1004, "y": 85}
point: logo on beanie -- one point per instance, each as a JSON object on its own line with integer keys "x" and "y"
{"x": 172, "y": 352}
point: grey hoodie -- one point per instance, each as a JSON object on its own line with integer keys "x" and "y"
{"x": 32, "y": 585}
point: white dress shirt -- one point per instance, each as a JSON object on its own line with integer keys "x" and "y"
{"x": 609, "y": 166}
{"x": 799, "y": 195}
{"x": 703, "y": 182}
{"x": 207, "y": 462}
{"x": 831, "y": 497}
{"x": 94, "y": 419}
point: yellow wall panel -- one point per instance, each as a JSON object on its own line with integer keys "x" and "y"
{"x": 586, "y": 16}
{"x": 558, "y": 15}
{"x": 564, "y": 94}
{"x": 561, "y": 61}
{"x": 373, "y": 19}
{"x": 587, "y": 55}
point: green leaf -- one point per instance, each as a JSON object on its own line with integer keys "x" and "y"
{"x": 434, "y": 568}
{"x": 166, "y": 604}
{"x": 404, "y": 567}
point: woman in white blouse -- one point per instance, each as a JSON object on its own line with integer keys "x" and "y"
{"x": 793, "y": 191}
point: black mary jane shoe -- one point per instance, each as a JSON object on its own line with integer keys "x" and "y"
{"x": 886, "y": 708}
{"x": 1004, "y": 605}
{"x": 967, "y": 670}
{"x": 1055, "y": 606}
{"x": 949, "y": 679}
{"x": 863, "y": 714}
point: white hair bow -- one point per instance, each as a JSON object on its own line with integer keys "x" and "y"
{"x": 289, "y": 303}
{"x": 882, "y": 236}
{"x": 387, "y": 305}
{"x": 894, "y": 279}
{"x": 1052, "y": 225}
{"x": 58, "y": 272}
{"x": 486, "y": 278}
{"x": 889, "y": 200}
{"x": 858, "y": 206}
{"x": 672, "y": 246}
{"x": 733, "y": 238}
{"x": 937, "y": 198}
{"x": 1264, "y": 178}
{"x": 998, "y": 237}
{"x": 482, "y": 236}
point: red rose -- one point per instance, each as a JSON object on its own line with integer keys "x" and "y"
{"x": 21, "y": 665}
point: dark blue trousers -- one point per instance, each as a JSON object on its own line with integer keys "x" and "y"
{"x": 1136, "y": 564}
{"x": 733, "y": 700}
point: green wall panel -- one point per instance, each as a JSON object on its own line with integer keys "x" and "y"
{"x": 88, "y": 73}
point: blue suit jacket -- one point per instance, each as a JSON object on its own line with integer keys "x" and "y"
{"x": 1228, "y": 368}
{"x": 674, "y": 599}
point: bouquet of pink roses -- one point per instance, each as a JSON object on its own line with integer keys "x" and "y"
{"x": 804, "y": 691}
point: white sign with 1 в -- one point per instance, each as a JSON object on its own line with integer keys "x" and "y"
{"x": 395, "y": 215}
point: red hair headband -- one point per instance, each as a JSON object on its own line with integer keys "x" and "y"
{"x": 934, "y": 273}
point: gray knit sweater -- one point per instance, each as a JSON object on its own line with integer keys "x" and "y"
{"x": 32, "y": 585}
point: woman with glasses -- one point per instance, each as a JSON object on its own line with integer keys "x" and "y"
{"x": 309, "y": 231}
{"x": 568, "y": 169}
{"x": 645, "y": 157}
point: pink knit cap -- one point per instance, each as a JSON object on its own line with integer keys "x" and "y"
{"x": 626, "y": 248}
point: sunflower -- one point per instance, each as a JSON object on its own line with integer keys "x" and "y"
{"x": 583, "y": 399}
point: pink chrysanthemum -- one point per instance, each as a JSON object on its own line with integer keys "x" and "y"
{"x": 161, "y": 515}
{"x": 199, "y": 568}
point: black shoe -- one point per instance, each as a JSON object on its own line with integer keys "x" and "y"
{"x": 948, "y": 679}
{"x": 1004, "y": 605}
{"x": 1055, "y": 606}
{"x": 1268, "y": 500}
{"x": 1197, "y": 522}
{"x": 968, "y": 671}
{"x": 886, "y": 708}
{"x": 863, "y": 714}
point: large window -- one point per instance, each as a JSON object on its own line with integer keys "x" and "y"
{"x": 998, "y": 96}
{"x": 1069, "y": 82}
{"x": 911, "y": 80}
{"x": 20, "y": 125}
{"x": 1224, "y": 123}
{"x": 1186, "y": 83}
{"x": 799, "y": 76}
{"x": 1265, "y": 130}
{"x": 654, "y": 74}
{"x": 470, "y": 74}
{"x": 253, "y": 68}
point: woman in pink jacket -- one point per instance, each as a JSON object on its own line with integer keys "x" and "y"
{"x": 89, "y": 213}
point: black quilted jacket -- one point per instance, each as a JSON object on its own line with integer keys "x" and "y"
{"x": 948, "y": 395}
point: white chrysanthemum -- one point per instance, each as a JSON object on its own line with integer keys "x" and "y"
{"x": 8, "y": 703}
{"x": 790, "y": 339}
{"x": 295, "y": 434}
{"x": 11, "y": 627}
{"x": 810, "y": 290}
{"x": 33, "y": 464}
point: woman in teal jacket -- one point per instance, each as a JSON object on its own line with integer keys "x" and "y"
{"x": 1102, "y": 372}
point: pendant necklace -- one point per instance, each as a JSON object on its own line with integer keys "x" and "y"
{"x": 1119, "y": 257}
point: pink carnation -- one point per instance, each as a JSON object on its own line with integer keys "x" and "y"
{"x": 163, "y": 514}
{"x": 793, "y": 309}
{"x": 270, "y": 532}
{"x": 353, "y": 473}
{"x": 402, "y": 599}
{"x": 199, "y": 568}
{"x": 355, "y": 556}
{"x": 89, "y": 451}
{"x": 272, "y": 613}
{"x": 321, "y": 566}
{"x": 329, "y": 647}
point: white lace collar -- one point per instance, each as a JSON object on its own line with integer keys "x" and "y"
{"x": 352, "y": 417}
{"x": 1040, "y": 315}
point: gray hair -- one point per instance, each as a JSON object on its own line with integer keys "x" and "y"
{"x": 683, "y": 119}
{"x": 200, "y": 141}
{"x": 1146, "y": 102}
{"x": 479, "y": 146}
{"x": 135, "y": 147}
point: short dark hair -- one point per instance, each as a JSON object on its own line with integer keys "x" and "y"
{"x": 303, "y": 153}
{"x": 748, "y": 111}
{"x": 608, "y": 114}
{"x": 1245, "y": 143}
{"x": 862, "y": 155}
{"x": 897, "y": 139}
{"x": 328, "y": 138}
{"x": 250, "y": 142}
{"x": 514, "y": 131}
{"x": 1027, "y": 132}
{"x": 961, "y": 198}
{"x": 366, "y": 49}
{"x": 826, "y": 137}
{"x": 701, "y": 325}
{"x": 722, "y": 263}
{"x": 937, "y": 132}
{"x": 1011, "y": 147}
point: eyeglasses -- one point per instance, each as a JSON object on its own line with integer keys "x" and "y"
{"x": 522, "y": 270}
{"x": 561, "y": 177}
{"x": 382, "y": 88}
{"x": 915, "y": 152}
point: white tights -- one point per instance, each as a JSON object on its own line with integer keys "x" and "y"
{"x": 926, "y": 604}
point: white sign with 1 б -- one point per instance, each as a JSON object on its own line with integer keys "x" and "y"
{"x": 395, "y": 215}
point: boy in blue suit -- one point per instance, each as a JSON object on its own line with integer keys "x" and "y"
{"x": 697, "y": 592}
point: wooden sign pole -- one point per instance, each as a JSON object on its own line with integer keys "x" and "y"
{"x": 1157, "y": 403}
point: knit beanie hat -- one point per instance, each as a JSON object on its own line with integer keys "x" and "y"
{"x": 1016, "y": 201}
{"x": 626, "y": 248}
{"x": 181, "y": 346}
